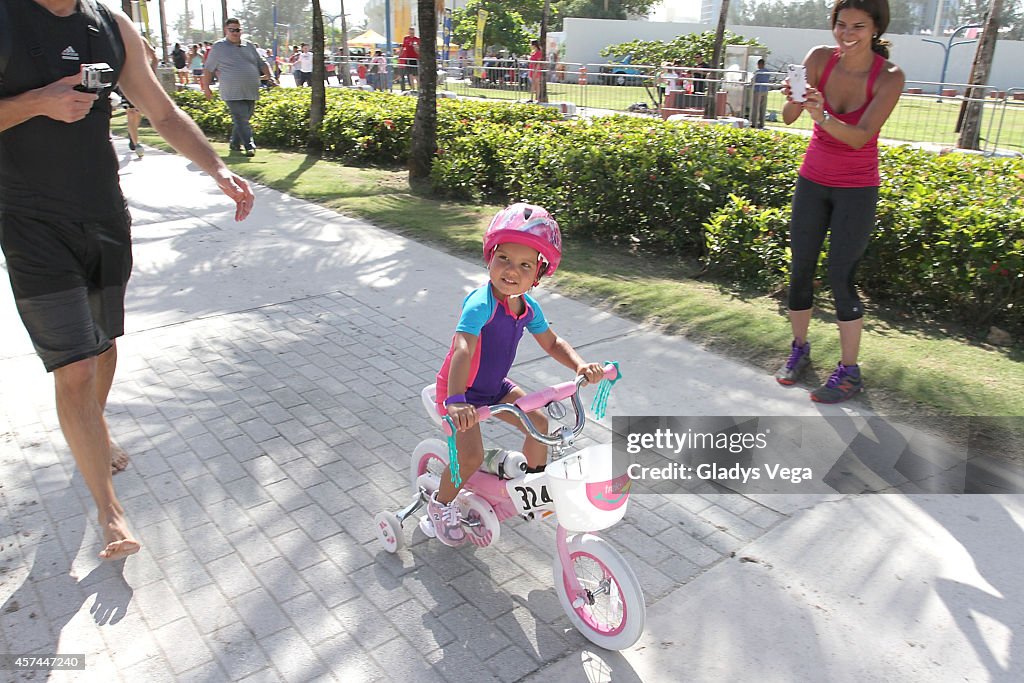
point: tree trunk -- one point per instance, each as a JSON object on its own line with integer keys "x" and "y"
{"x": 424, "y": 127}
{"x": 970, "y": 111}
{"x": 318, "y": 96}
{"x": 711, "y": 91}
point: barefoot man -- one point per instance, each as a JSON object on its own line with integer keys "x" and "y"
{"x": 64, "y": 224}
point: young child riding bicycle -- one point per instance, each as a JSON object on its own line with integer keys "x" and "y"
{"x": 521, "y": 245}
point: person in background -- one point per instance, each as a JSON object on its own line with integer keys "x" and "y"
{"x": 700, "y": 76}
{"x": 378, "y": 70}
{"x": 180, "y": 65}
{"x": 304, "y": 67}
{"x": 195, "y": 62}
{"x": 239, "y": 67}
{"x": 409, "y": 60}
{"x": 536, "y": 70}
{"x": 852, "y": 89}
{"x": 132, "y": 116}
{"x": 759, "y": 104}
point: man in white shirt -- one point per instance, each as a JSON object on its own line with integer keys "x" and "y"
{"x": 304, "y": 67}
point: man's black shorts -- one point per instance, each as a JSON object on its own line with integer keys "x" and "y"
{"x": 69, "y": 281}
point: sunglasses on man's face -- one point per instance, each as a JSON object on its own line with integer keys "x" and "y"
{"x": 234, "y": 30}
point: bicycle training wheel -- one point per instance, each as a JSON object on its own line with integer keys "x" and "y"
{"x": 613, "y": 614}
{"x": 389, "y": 531}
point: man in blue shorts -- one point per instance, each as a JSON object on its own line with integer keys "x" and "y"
{"x": 64, "y": 225}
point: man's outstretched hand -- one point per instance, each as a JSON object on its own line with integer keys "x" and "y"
{"x": 236, "y": 188}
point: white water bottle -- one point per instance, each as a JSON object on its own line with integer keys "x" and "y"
{"x": 505, "y": 464}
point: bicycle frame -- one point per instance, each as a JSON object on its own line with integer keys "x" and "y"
{"x": 499, "y": 493}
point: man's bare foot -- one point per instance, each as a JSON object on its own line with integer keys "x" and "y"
{"x": 118, "y": 459}
{"x": 120, "y": 542}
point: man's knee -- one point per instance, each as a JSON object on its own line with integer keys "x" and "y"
{"x": 77, "y": 376}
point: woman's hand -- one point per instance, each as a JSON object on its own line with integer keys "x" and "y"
{"x": 814, "y": 105}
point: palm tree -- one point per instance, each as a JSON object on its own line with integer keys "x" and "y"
{"x": 318, "y": 96}
{"x": 969, "y": 121}
{"x": 424, "y": 126}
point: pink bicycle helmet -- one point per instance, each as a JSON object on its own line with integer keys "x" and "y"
{"x": 530, "y": 225}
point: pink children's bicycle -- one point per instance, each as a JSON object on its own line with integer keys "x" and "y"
{"x": 596, "y": 587}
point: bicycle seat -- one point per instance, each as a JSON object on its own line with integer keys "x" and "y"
{"x": 429, "y": 397}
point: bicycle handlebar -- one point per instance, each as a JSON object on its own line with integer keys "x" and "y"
{"x": 539, "y": 399}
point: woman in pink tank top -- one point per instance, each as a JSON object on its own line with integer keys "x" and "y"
{"x": 852, "y": 89}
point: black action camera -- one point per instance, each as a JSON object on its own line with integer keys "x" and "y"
{"x": 96, "y": 77}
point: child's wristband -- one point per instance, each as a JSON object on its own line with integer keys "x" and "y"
{"x": 456, "y": 398}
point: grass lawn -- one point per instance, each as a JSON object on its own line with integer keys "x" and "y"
{"x": 912, "y": 367}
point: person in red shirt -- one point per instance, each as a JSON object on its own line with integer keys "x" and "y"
{"x": 536, "y": 70}
{"x": 409, "y": 59}
{"x": 852, "y": 88}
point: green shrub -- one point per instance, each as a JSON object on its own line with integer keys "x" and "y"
{"x": 950, "y": 236}
{"x": 212, "y": 116}
{"x": 749, "y": 243}
{"x": 281, "y": 118}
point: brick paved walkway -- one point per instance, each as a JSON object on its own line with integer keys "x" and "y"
{"x": 262, "y": 443}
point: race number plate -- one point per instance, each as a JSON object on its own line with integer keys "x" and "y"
{"x": 529, "y": 493}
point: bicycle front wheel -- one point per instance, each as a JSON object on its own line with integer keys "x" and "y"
{"x": 612, "y": 614}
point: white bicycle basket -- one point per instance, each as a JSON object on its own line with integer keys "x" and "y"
{"x": 589, "y": 494}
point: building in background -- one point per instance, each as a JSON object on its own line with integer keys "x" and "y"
{"x": 709, "y": 11}
{"x": 403, "y": 15}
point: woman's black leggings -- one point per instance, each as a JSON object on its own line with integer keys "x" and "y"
{"x": 847, "y": 214}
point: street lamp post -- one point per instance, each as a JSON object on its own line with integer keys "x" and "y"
{"x": 949, "y": 45}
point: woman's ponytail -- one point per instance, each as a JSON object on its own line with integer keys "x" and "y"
{"x": 880, "y": 46}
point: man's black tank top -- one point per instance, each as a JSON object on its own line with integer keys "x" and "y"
{"x": 50, "y": 169}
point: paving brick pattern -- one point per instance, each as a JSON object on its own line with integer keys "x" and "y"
{"x": 263, "y": 442}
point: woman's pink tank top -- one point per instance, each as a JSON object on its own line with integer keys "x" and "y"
{"x": 833, "y": 163}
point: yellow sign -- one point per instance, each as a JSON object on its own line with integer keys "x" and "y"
{"x": 144, "y": 9}
{"x": 481, "y": 21}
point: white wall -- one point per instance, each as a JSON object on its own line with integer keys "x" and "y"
{"x": 920, "y": 61}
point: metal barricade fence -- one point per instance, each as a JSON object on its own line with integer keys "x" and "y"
{"x": 927, "y": 113}
{"x": 930, "y": 113}
{"x": 1010, "y": 126}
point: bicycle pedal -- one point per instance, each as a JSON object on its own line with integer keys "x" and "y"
{"x": 427, "y": 527}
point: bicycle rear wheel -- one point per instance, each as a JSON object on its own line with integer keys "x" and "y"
{"x": 613, "y": 613}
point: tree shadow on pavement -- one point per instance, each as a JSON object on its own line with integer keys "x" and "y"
{"x": 50, "y": 595}
{"x": 992, "y": 619}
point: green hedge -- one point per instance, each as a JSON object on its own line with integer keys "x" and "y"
{"x": 950, "y": 229}
{"x": 359, "y": 126}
